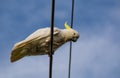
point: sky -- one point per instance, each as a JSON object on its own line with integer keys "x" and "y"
{"x": 96, "y": 54}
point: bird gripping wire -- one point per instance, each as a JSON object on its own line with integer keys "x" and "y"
{"x": 51, "y": 44}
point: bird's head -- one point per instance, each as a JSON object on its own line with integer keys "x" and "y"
{"x": 70, "y": 34}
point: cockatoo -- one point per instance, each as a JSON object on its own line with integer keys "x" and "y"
{"x": 38, "y": 43}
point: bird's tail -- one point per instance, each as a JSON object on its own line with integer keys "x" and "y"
{"x": 18, "y": 52}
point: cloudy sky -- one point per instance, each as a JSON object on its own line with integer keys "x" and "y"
{"x": 95, "y": 55}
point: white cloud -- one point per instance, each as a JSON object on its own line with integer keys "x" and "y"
{"x": 97, "y": 55}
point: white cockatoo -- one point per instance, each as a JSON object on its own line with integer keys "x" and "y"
{"x": 38, "y": 43}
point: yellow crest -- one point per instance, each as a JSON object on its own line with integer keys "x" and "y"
{"x": 67, "y": 26}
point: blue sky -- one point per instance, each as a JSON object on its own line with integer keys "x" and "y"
{"x": 95, "y": 55}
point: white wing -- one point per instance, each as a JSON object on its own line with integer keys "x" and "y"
{"x": 40, "y": 33}
{"x": 19, "y": 50}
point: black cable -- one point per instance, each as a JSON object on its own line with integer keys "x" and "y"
{"x": 51, "y": 42}
{"x": 70, "y": 55}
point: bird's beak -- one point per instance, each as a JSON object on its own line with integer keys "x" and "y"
{"x": 75, "y": 38}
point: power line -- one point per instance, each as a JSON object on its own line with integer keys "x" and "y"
{"x": 51, "y": 42}
{"x": 70, "y": 54}
{"x": 52, "y": 30}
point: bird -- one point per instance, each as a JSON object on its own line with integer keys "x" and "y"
{"x": 38, "y": 43}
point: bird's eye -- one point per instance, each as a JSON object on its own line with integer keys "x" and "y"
{"x": 73, "y": 33}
